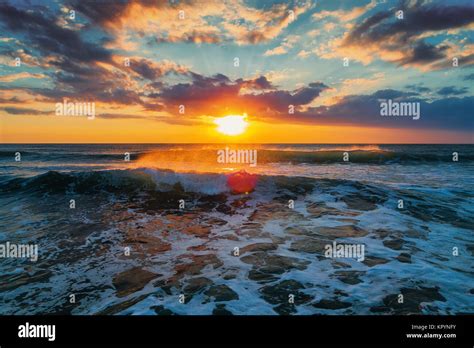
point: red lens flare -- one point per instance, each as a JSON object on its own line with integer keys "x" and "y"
{"x": 242, "y": 182}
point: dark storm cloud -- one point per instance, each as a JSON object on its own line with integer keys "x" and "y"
{"x": 207, "y": 93}
{"x": 200, "y": 90}
{"x": 354, "y": 110}
{"x": 76, "y": 72}
{"x": 25, "y": 111}
{"x": 262, "y": 83}
{"x": 469, "y": 77}
{"x": 452, "y": 90}
{"x": 144, "y": 69}
{"x": 203, "y": 81}
{"x": 366, "y": 31}
{"x": 383, "y": 29}
{"x": 424, "y": 53}
{"x": 47, "y": 37}
{"x": 393, "y": 94}
{"x": 419, "y": 88}
{"x": 418, "y": 18}
{"x": 102, "y": 13}
{"x": 257, "y": 83}
{"x": 279, "y": 100}
{"x": 12, "y": 100}
{"x": 151, "y": 70}
{"x": 88, "y": 81}
{"x": 364, "y": 110}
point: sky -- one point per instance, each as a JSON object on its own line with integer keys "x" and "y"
{"x": 296, "y": 71}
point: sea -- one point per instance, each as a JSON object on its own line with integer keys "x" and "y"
{"x": 163, "y": 229}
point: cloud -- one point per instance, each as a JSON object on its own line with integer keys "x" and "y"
{"x": 86, "y": 64}
{"x": 181, "y": 121}
{"x": 364, "y": 110}
{"x": 278, "y": 101}
{"x": 469, "y": 77}
{"x": 303, "y": 54}
{"x": 348, "y": 86}
{"x": 286, "y": 44}
{"x": 452, "y": 90}
{"x": 13, "y": 100}
{"x": 25, "y": 111}
{"x": 7, "y": 57}
{"x": 345, "y": 15}
{"x": 152, "y": 70}
{"x": 418, "y": 88}
{"x": 96, "y": 82}
{"x": 276, "y": 51}
{"x": 77, "y": 69}
{"x": 257, "y": 83}
{"x": 402, "y": 41}
{"x": 48, "y": 37}
{"x": 218, "y": 95}
{"x": 446, "y": 113}
{"x": 197, "y": 23}
{"x": 19, "y": 76}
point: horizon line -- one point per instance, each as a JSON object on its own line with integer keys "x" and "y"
{"x": 236, "y": 143}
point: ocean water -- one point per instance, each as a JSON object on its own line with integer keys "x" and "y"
{"x": 423, "y": 250}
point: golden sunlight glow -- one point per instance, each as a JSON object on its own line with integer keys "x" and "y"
{"x": 232, "y": 124}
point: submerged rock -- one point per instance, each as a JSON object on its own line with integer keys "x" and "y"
{"x": 404, "y": 258}
{"x": 412, "y": 300}
{"x": 367, "y": 197}
{"x": 310, "y": 245}
{"x": 161, "y": 310}
{"x": 395, "y": 244}
{"x": 372, "y": 261}
{"x": 258, "y": 247}
{"x": 470, "y": 247}
{"x": 222, "y": 293}
{"x": 132, "y": 280}
{"x": 196, "y": 285}
{"x": 359, "y": 203}
{"x": 274, "y": 264}
{"x": 221, "y": 310}
{"x": 342, "y": 231}
{"x": 148, "y": 244}
{"x": 119, "y": 307}
{"x": 278, "y": 294}
{"x": 198, "y": 262}
{"x": 261, "y": 277}
{"x": 274, "y": 211}
{"x": 9, "y": 282}
{"x": 331, "y": 304}
{"x": 319, "y": 209}
{"x": 349, "y": 277}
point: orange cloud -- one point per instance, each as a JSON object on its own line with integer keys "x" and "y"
{"x": 345, "y": 16}
{"x": 22, "y": 75}
{"x": 191, "y": 21}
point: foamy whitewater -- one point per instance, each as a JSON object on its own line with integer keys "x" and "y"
{"x": 190, "y": 250}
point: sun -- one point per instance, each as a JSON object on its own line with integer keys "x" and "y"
{"x": 232, "y": 124}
